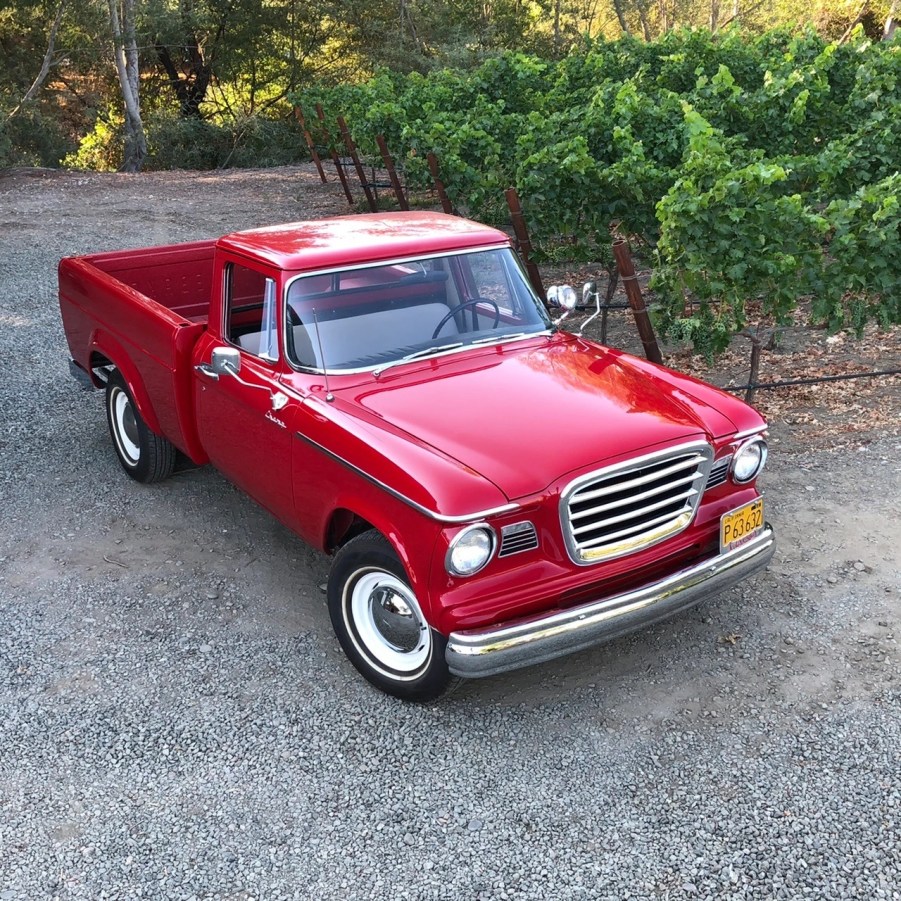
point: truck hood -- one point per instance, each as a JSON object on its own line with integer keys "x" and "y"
{"x": 523, "y": 416}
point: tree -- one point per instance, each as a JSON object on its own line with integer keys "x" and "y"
{"x": 186, "y": 44}
{"x": 232, "y": 58}
{"x": 888, "y": 32}
{"x": 126, "y": 56}
{"x": 45, "y": 65}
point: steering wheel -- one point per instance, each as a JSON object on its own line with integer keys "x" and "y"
{"x": 469, "y": 303}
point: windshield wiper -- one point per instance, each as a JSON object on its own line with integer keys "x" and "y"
{"x": 497, "y": 339}
{"x": 425, "y": 352}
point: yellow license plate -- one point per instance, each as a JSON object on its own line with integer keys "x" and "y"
{"x": 741, "y": 525}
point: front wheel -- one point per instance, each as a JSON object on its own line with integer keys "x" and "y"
{"x": 144, "y": 455}
{"x": 380, "y": 625}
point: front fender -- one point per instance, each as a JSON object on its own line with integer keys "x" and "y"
{"x": 412, "y": 536}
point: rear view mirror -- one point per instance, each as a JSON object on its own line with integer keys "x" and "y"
{"x": 226, "y": 360}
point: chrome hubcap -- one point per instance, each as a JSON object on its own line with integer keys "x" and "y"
{"x": 394, "y": 619}
{"x": 387, "y": 624}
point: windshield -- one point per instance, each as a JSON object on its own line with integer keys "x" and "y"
{"x": 376, "y": 316}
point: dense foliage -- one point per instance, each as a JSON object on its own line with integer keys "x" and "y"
{"x": 231, "y": 63}
{"x": 752, "y": 170}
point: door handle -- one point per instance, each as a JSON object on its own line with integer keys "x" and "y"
{"x": 208, "y": 371}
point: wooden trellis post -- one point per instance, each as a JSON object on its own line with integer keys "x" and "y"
{"x": 446, "y": 205}
{"x": 334, "y": 154}
{"x": 352, "y": 151}
{"x": 392, "y": 173}
{"x": 636, "y": 301}
{"x": 298, "y": 113}
{"x": 523, "y": 242}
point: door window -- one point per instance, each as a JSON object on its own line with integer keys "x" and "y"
{"x": 251, "y": 311}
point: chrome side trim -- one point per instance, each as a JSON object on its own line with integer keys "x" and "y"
{"x": 748, "y": 433}
{"x": 476, "y": 653}
{"x": 439, "y": 517}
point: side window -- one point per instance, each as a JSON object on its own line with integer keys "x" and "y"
{"x": 251, "y": 311}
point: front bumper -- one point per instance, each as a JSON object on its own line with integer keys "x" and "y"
{"x": 486, "y": 652}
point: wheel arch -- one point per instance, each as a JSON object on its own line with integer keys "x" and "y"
{"x": 107, "y": 351}
{"x": 347, "y": 520}
{"x": 342, "y": 525}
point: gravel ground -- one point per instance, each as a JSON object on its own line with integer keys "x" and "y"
{"x": 179, "y": 722}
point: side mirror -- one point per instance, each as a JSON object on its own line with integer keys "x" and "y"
{"x": 589, "y": 290}
{"x": 226, "y": 361}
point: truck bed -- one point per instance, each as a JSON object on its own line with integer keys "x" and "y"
{"x": 142, "y": 310}
{"x": 178, "y": 277}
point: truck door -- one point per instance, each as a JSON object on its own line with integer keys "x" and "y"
{"x": 245, "y": 421}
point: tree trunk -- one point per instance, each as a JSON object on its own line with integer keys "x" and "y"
{"x": 557, "y": 26}
{"x": 45, "y": 65}
{"x": 714, "y": 15}
{"x": 855, "y": 23}
{"x": 126, "y": 55}
{"x": 190, "y": 89}
{"x": 621, "y": 18}
{"x": 735, "y": 12}
{"x": 891, "y": 23}
{"x": 664, "y": 16}
{"x": 643, "y": 16}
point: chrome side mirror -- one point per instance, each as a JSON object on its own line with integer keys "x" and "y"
{"x": 589, "y": 290}
{"x": 226, "y": 361}
{"x": 562, "y": 297}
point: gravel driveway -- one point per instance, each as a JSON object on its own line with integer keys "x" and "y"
{"x": 179, "y": 722}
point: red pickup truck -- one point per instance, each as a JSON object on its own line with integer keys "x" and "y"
{"x": 494, "y": 491}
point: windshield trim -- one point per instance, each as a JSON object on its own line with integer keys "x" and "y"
{"x": 309, "y": 370}
{"x": 394, "y": 261}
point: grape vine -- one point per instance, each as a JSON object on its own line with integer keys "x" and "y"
{"x": 752, "y": 169}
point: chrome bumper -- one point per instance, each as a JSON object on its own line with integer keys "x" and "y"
{"x": 486, "y": 652}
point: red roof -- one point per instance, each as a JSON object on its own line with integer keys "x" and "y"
{"x": 348, "y": 240}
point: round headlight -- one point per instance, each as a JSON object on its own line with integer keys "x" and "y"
{"x": 748, "y": 460}
{"x": 470, "y": 551}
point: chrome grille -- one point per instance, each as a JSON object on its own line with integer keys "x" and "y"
{"x": 634, "y": 504}
{"x": 719, "y": 472}
{"x": 516, "y": 538}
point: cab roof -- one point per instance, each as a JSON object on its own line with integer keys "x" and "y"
{"x": 351, "y": 240}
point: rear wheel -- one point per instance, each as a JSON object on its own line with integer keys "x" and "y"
{"x": 144, "y": 455}
{"x": 379, "y": 622}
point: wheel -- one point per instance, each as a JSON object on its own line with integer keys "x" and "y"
{"x": 144, "y": 455}
{"x": 379, "y": 622}
{"x": 465, "y": 305}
